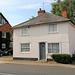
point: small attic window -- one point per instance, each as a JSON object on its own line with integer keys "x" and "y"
{"x": 2, "y": 21}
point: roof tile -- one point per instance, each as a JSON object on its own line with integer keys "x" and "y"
{"x": 44, "y": 18}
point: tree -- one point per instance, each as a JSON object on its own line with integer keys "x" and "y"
{"x": 60, "y": 5}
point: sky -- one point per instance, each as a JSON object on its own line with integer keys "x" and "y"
{"x": 18, "y": 11}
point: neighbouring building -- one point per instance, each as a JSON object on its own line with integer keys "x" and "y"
{"x": 6, "y": 33}
{"x": 46, "y": 34}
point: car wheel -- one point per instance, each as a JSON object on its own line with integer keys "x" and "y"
{"x": 1, "y": 55}
{"x": 9, "y": 53}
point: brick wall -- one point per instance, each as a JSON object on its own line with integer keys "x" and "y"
{"x": 6, "y": 28}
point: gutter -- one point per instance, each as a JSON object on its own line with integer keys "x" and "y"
{"x": 41, "y": 23}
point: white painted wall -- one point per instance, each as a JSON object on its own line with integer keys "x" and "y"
{"x": 72, "y": 38}
{"x": 38, "y": 34}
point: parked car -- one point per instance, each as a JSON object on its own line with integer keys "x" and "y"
{"x": 8, "y": 52}
{"x": 1, "y": 53}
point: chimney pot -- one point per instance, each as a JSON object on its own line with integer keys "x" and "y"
{"x": 40, "y": 9}
{"x": 64, "y": 13}
{"x": 40, "y": 12}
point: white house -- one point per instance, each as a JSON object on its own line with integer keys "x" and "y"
{"x": 38, "y": 38}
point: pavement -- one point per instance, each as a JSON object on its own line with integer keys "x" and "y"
{"x": 39, "y": 64}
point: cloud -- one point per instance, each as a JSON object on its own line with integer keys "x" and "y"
{"x": 15, "y": 4}
{"x": 15, "y": 17}
{"x": 14, "y": 20}
{"x": 6, "y": 5}
{"x": 30, "y": 6}
{"x": 50, "y": 1}
{"x": 12, "y": 9}
{"x": 5, "y": 2}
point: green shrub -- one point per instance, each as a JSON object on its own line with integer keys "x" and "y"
{"x": 73, "y": 59}
{"x": 73, "y": 62}
{"x": 62, "y": 58}
{"x": 73, "y": 56}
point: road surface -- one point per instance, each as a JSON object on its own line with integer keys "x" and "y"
{"x": 13, "y": 69}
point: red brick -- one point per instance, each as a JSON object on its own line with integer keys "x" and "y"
{"x": 6, "y": 28}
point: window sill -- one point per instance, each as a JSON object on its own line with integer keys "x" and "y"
{"x": 52, "y": 32}
{"x": 25, "y": 52}
{"x": 26, "y": 35}
{"x": 4, "y": 37}
{"x": 53, "y": 53}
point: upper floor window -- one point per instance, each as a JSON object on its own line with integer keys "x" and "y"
{"x": 3, "y": 34}
{"x": 52, "y": 28}
{"x": 25, "y": 31}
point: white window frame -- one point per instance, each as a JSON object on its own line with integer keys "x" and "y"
{"x": 25, "y": 52}
{"x": 53, "y": 31}
{"x": 4, "y": 36}
{"x": 27, "y": 31}
{"x": 59, "y": 48}
{"x": 3, "y": 45}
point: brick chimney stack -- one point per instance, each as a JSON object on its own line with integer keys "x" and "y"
{"x": 40, "y": 12}
{"x": 64, "y": 13}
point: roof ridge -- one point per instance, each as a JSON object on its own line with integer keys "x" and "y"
{"x": 44, "y": 18}
{"x": 29, "y": 20}
{"x": 59, "y": 16}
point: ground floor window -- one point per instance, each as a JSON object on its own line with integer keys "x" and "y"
{"x": 53, "y": 47}
{"x": 3, "y": 46}
{"x": 25, "y": 47}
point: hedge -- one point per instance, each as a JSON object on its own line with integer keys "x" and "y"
{"x": 62, "y": 58}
